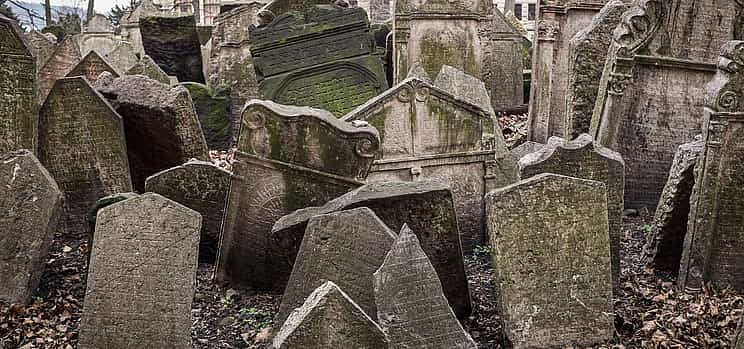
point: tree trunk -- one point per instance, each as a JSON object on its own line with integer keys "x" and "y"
{"x": 91, "y": 11}
{"x": 48, "y": 12}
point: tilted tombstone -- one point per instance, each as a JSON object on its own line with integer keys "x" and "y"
{"x": 551, "y": 257}
{"x": 65, "y": 57}
{"x": 214, "y": 113}
{"x": 287, "y": 158}
{"x": 129, "y": 23}
{"x": 411, "y": 306}
{"x": 583, "y": 158}
{"x": 91, "y": 67}
{"x": 652, "y": 88}
{"x": 202, "y": 187}
{"x": 147, "y": 67}
{"x": 344, "y": 247}
{"x": 82, "y": 144}
{"x": 98, "y": 36}
{"x": 17, "y": 74}
{"x": 173, "y": 43}
{"x": 329, "y": 307}
{"x": 123, "y": 57}
{"x": 42, "y": 45}
{"x": 30, "y": 206}
{"x": 142, "y": 275}
{"x": 525, "y": 148}
{"x": 162, "y": 128}
{"x": 713, "y": 246}
{"x": 426, "y": 206}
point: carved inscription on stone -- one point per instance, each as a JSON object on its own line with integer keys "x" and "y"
{"x": 17, "y": 73}
{"x": 65, "y": 57}
{"x": 91, "y": 66}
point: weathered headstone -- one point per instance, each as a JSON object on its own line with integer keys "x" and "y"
{"x": 99, "y": 23}
{"x": 162, "y": 128}
{"x": 380, "y": 11}
{"x": 30, "y": 206}
{"x": 213, "y": 109}
{"x": 411, "y": 306}
{"x": 426, "y": 206}
{"x": 464, "y": 86}
{"x": 344, "y": 247}
{"x": 652, "y": 88}
{"x": 43, "y": 46}
{"x": 98, "y": 36}
{"x": 123, "y": 57}
{"x": 287, "y": 158}
{"x": 142, "y": 273}
{"x": 551, "y": 257}
{"x": 17, "y": 74}
{"x": 583, "y": 158}
{"x": 65, "y": 57}
{"x": 525, "y": 148}
{"x": 202, "y": 187}
{"x": 173, "y": 44}
{"x": 91, "y": 67}
{"x": 129, "y": 23}
{"x": 100, "y": 204}
{"x": 82, "y": 144}
{"x": 328, "y": 307}
{"x": 147, "y": 67}
{"x": 713, "y": 250}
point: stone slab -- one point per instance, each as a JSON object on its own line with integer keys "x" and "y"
{"x": 17, "y": 88}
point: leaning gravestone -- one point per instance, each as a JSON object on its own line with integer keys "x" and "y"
{"x": 425, "y": 205}
{"x": 65, "y": 57}
{"x": 202, "y": 187}
{"x": 17, "y": 74}
{"x": 43, "y": 46}
{"x": 713, "y": 249}
{"x": 551, "y": 253}
{"x": 287, "y": 158}
{"x": 147, "y": 67}
{"x": 30, "y": 206}
{"x": 525, "y": 148}
{"x": 91, "y": 67}
{"x": 583, "y": 158}
{"x": 411, "y": 306}
{"x": 142, "y": 273}
{"x": 172, "y": 42}
{"x": 652, "y": 88}
{"x": 82, "y": 144}
{"x": 122, "y": 57}
{"x": 213, "y": 109}
{"x": 344, "y": 247}
{"x": 328, "y": 307}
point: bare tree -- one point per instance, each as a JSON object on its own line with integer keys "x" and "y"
{"x": 48, "y": 12}
{"x": 90, "y": 12}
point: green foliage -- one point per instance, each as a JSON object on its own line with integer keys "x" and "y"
{"x": 255, "y": 318}
{"x": 482, "y": 249}
{"x": 116, "y": 13}
{"x": 648, "y": 228}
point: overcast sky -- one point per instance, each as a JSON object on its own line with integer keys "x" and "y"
{"x": 101, "y": 6}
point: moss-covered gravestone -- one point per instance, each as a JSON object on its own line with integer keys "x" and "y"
{"x": 525, "y": 148}
{"x": 65, "y": 57}
{"x": 122, "y": 57}
{"x": 91, "y": 67}
{"x": 173, "y": 43}
{"x": 147, "y": 67}
{"x": 17, "y": 74}
{"x": 42, "y": 45}
{"x": 551, "y": 257}
{"x": 214, "y": 115}
{"x": 287, "y": 158}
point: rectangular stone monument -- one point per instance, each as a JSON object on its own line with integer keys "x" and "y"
{"x": 91, "y": 67}
{"x": 173, "y": 43}
{"x": 17, "y": 74}
{"x": 65, "y": 57}
{"x": 142, "y": 275}
{"x": 551, "y": 253}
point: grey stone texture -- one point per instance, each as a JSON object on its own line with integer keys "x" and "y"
{"x": 584, "y": 158}
{"x": 99, "y": 24}
{"x": 123, "y": 57}
{"x": 411, "y": 306}
{"x": 101, "y": 203}
{"x": 653, "y": 85}
{"x": 380, "y": 11}
{"x": 426, "y": 206}
{"x": 162, "y": 127}
{"x": 65, "y": 57}
{"x": 42, "y": 46}
{"x": 215, "y": 117}
{"x": 129, "y": 23}
{"x": 287, "y": 158}
{"x": 713, "y": 246}
{"x": 525, "y": 148}
{"x": 328, "y": 307}
{"x": 344, "y": 247}
{"x": 142, "y": 275}
{"x": 147, "y": 67}
{"x": 202, "y": 187}
{"x": 464, "y": 86}
{"x": 100, "y": 38}
{"x": 91, "y": 67}
{"x": 551, "y": 257}
{"x": 17, "y": 76}
{"x": 82, "y": 144}
{"x": 30, "y": 206}
{"x": 737, "y": 342}
{"x": 173, "y": 43}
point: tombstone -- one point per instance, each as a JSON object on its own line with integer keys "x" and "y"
{"x": 65, "y": 57}
{"x": 42, "y": 46}
{"x": 472, "y": 36}
{"x": 737, "y": 342}
{"x": 525, "y": 148}
{"x": 82, "y": 144}
{"x": 147, "y": 67}
{"x": 411, "y": 306}
{"x": 551, "y": 261}
{"x": 344, "y": 247}
{"x": 100, "y": 204}
{"x": 713, "y": 247}
{"x": 323, "y": 57}
{"x": 172, "y": 42}
{"x": 98, "y": 36}
{"x": 380, "y": 11}
{"x": 142, "y": 275}
{"x": 587, "y": 54}
{"x": 653, "y": 85}
{"x": 584, "y": 158}
{"x": 17, "y": 73}
{"x": 426, "y": 206}
{"x": 162, "y": 128}
{"x": 123, "y": 57}
{"x": 287, "y": 158}
{"x": 663, "y": 248}
{"x": 329, "y": 307}
{"x": 30, "y": 206}
{"x": 430, "y": 132}
{"x": 129, "y": 23}
{"x": 99, "y": 23}
{"x": 213, "y": 109}
{"x": 91, "y": 67}
{"x": 202, "y": 187}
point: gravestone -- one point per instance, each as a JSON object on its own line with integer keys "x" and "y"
{"x": 100, "y": 204}
{"x": 162, "y": 128}
{"x": 65, "y": 57}
{"x": 380, "y": 11}
{"x": 737, "y": 342}
{"x": 30, "y": 206}
{"x": 552, "y": 269}
{"x": 99, "y": 23}
{"x": 525, "y": 148}
{"x": 129, "y": 23}
{"x": 464, "y": 86}
{"x": 583, "y": 158}
{"x": 91, "y": 67}
{"x": 123, "y": 57}
{"x": 202, "y": 187}
{"x": 82, "y": 144}
{"x": 652, "y": 88}
{"x": 287, "y": 158}
{"x": 173, "y": 43}
{"x": 345, "y": 248}
{"x": 42, "y": 46}
{"x": 663, "y": 248}
{"x": 426, "y": 206}
{"x": 329, "y": 307}
{"x": 142, "y": 275}
{"x": 17, "y": 73}
{"x": 147, "y": 67}
{"x": 323, "y": 57}
{"x": 411, "y": 306}
{"x": 713, "y": 246}
{"x": 213, "y": 110}
{"x": 98, "y": 36}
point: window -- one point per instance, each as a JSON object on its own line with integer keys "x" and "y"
{"x": 518, "y": 11}
{"x": 531, "y": 9}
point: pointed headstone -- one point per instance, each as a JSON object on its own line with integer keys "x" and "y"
{"x": 65, "y": 57}
{"x": 464, "y": 86}
{"x": 91, "y": 67}
{"x": 43, "y": 46}
{"x": 122, "y": 57}
{"x": 147, "y": 67}
{"x": 17, "y": 76}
